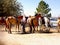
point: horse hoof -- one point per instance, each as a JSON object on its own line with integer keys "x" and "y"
{"x": 6, "y": 30}
{"x": 10, "y": 32}
{"x": 18, "y": 31}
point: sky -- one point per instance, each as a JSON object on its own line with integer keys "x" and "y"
{"x": 29, "y": 6}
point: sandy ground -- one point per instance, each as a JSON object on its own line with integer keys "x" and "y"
{"x": 29, "y": 39}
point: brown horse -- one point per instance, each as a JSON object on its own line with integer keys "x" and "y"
{"x": 58, "y": 21}
{"x": 12, "y": 21}
{"x": 33, "y": 23}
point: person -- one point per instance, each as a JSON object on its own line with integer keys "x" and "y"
{"x": 46, "y": 21}
{"x": 42, "y": 28}
{"x": 29, "y": 22}
{"x": 43, "y": 21}
{"x": 29, "y": 19}
{"x": 23, "y": 21}
{"x": 39, "y": 21}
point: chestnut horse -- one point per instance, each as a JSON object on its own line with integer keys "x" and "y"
{"x": 12, "y": 21}
{"x": 33, "y": 22}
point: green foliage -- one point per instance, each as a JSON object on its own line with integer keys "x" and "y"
{"x": 43, "y": 8}
{"x": 9, "y": 7}
{"x": 49, "y": 15}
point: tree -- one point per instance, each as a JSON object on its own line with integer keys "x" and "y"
{"x": 9, "y": 7}
{"x": 43, "y": 8}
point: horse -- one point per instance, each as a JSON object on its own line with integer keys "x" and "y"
{"x": 11, "y": 20}
{"x": 44, "y": 24}
{"x": 33, "y": 21}
{"x": 58, "y": 22}
{"x": 2, "y": 21}
{"x": 39, "y": 19}
{"x": 34, "y": 24}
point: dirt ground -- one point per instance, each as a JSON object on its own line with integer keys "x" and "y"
{"x": 29, "y": 39}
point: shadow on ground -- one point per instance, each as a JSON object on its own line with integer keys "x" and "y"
{"x": 2, "y": 43}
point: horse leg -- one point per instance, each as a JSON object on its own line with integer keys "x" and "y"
{"x": 5, "y": 28}
{"x": 9, "y": 29}
{"x": 18, "y": 27}
{"x": 24, "y": 28}
{"x": 33, "y": 29}
{"x": 37, "y": 28}
{"x": 58, "y": 28}
{"x": 30, "y": 29}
